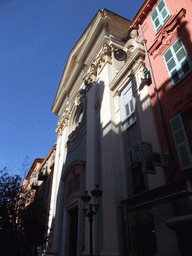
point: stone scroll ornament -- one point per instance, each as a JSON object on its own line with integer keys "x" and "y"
{"x": 103, "y": 56}
{"x": 63, "y": 122}
{"x": 91, "y": 77}
{"x": 98, "y": 64}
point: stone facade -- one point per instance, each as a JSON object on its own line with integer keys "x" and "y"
{"x": 102, "y": 119}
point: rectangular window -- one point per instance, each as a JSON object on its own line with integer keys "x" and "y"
{"x": 160, "y": 15}
{"x": 177, "y": 61}
{"x": 181, "y": 143}
{"x": 127, "y": 106}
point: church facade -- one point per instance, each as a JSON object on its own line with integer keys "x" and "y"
{"x": 106, "y": 135}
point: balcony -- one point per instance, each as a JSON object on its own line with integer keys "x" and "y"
{"x": 43, "y": 174}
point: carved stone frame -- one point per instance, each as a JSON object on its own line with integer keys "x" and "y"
{"x": 74, "y": 181}
{"x": 167, "y": 34}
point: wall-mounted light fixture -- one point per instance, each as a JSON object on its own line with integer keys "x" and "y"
{"x": 120, "y": 55}
{"x": 146, "y": 80}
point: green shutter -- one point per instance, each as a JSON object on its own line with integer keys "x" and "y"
{"x": 181, "y": 143}
{"x": 177, "y": 61}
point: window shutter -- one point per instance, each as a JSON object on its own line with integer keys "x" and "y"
{"x": 160, "y": 15}
{"x": 163, "y": 9}
{"x": 128, "y": 100}
{"x": 181, "y": 143}
{"x": 155, "y": 20}
{"x": 127, "y": 105}
{"x": 177, "y": 61}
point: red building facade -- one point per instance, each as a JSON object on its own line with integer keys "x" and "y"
{"x": 160, "y": 220}
{"x": 167, "y": 29}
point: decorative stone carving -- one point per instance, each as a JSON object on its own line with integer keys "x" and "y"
{"x": 97, "y": 65}
{"x": 81, "y": 110}
{"x": 62, "y": 122}
{"x": 74, "y": 185}
{"x": 167, "y": 35}
{"x": 134, "y": 34}
{"x": 74, "y": 181}
{"x": 91, "y": 77}
{"x": 103, "y": 58}
{"x": 131, "y": 47}
{"x": 83, "y": 98}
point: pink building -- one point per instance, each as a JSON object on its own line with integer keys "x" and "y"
{"x": 160, "y": 220}
{"x": 167, "y": 28}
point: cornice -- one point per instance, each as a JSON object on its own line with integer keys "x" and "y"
{"x": 103, "y": 21}
{"x": 167, "y": 34}
{"x": 34, "y": 165}
{"x": 47, "y": 157}
{"x": 134, "y": 61}
{"x": 143, "y": 12}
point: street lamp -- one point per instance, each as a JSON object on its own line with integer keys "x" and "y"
{"x": 90, "y": 209}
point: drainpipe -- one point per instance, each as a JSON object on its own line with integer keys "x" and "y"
{"x": 158, "y": 106}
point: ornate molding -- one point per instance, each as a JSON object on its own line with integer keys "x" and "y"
{"x": 91, "y": 76}
{"x": 103, "y": 58}
{"x": 167, "y": 34}
{"x": 143, "y": 12}
{"x": 81, "y": 108}
{"x": 97, "y": 65}
{"x": 135, "y": 61}
{"x": 74, "y": 181}
{"x": 63, "y": 122}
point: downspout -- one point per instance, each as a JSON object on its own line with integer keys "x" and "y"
{"x": 158, "y": 106}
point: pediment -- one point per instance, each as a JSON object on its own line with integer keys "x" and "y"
{"x": 104, "y": 23}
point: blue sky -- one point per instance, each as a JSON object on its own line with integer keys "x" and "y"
{"x": 36, "y": 38}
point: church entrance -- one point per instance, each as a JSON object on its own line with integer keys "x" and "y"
{"x": 73, "y": 231}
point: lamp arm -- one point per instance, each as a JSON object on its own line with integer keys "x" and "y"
{"x": 96, "y": 207}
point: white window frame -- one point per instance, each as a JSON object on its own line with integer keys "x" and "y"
{"x": 127, "y": 106}
{"x": 160, "y": 16}
{"x": 174, "y": 65}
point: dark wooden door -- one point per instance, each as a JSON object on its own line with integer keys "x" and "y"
{"x": 73, "y": 232}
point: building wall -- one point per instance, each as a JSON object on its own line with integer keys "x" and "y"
{"x": 174, "y": 105}
{"x": 102, "y": 119}
{"x": 174, "y": 99}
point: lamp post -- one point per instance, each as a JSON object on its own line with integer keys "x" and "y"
{"x": 90, "y": 209}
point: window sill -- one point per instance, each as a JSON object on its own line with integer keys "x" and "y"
{"x": 175, "y": 84}
{"x": 126, "y": 125}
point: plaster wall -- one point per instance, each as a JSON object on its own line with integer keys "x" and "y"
{"x": 172, "y": 98}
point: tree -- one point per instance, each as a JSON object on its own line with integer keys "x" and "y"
{"x": 34, "y": 225}
{"x": 9, "y": 189}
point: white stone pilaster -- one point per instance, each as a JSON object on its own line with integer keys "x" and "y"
{"x": 54, "y": 221}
